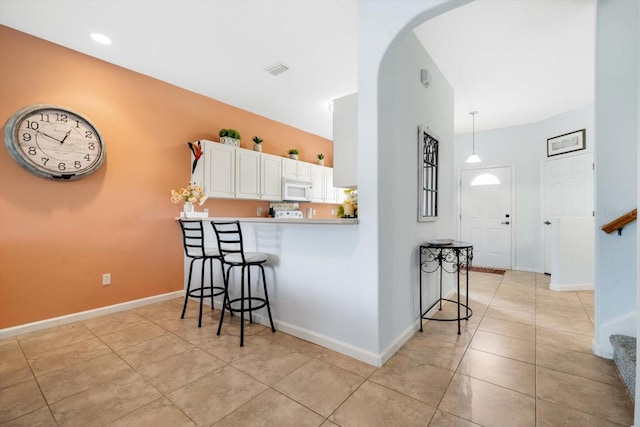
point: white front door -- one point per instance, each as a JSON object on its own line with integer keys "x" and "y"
{"x": 485, "y": 215}
{"x": 567, "y": 185}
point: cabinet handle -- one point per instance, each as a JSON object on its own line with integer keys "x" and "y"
{"x": 506, "y": 223}
{"x": 547, "y": 223}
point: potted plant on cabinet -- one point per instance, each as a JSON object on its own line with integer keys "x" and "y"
{"x": 230, "y": 137}
{"x": 293, "y": 153}
{"x": 256, "y": 143}
{"x": 321, "y": 159}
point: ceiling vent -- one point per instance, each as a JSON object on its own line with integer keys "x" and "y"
{"x": 277, "y": 69}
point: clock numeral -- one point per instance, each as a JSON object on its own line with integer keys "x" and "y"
{"x": 61, "y": 117}
{"x": 92, "y": 146}
{"x": 32, "y": 151}
{"x": 26, "y": 137}
{"x": 62, "y": 166}
{"x": 45, "y": 160}
{"x": 77, "y": 124}
{"x": 32, "y": 125}
{"x": 89, "y": 135}
{"x": 87, "y": 157}
{"x": 44, "y": 117}
{"x": 77, "y": 164}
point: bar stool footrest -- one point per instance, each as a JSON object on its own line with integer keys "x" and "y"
{"x": 195, "y": 293}
{"x": 262, "y": 303}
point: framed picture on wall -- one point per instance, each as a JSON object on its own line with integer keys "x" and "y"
{"x": 567, "y": 143}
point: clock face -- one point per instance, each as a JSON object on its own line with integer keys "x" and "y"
{"x": 54, "y": 142}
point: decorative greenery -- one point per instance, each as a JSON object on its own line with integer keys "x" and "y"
{"x": 229, "y": 133}
{"x": 293, "y": 151}
{"x": 191, "y": 193}
{"x": 320, "y": 156}
{"x": 257, "y": 139}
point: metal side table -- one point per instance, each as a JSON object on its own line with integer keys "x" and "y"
{"x": 454, "y": 257}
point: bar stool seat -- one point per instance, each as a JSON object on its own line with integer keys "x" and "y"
{"x": 231, "y": 248}
{"x": 193, "y": 240}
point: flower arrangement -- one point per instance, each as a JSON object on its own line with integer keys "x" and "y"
{"x": 350, "y": 205}
{"x": 191, "y": 193}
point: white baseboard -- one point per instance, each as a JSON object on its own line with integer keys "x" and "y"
{"x": 345, "y": 348}
{"x": 84, "y": 315}
{"x": 623, "y": 325}
{"x": 531, "y": 269}
{"x": 574, "y": 287}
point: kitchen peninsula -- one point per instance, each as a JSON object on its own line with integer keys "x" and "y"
{"x": 309, "y": 260}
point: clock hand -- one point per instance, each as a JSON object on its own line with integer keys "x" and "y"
{"x": 57, "y": 140}
{"x": 65, "y": 136}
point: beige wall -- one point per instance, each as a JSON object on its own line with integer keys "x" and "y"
{"x": 58, "y": 238}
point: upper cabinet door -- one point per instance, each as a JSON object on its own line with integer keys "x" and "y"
{"x": 289, "y": 168}
{"x": 271, "y": 177}
{"x": 296, "y": 169}
{"x": 247, "y": 174}
{"x": 304, "y": 171}
{"x": 219, "y": 170}
{"x": 317, "y": 179}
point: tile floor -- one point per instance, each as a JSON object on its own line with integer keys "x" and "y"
{"x": 523, "y": 359}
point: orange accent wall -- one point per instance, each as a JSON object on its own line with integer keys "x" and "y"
{"x": 58, "y": 238}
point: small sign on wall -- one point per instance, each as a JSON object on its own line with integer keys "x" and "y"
{"x": 566, "y": 143}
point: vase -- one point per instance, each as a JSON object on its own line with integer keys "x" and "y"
{"x": 230, "y": 141}
{"x": 257, "y": 147}
{"x": 293, "y": 156}
{"x": 188, "y": 207}
{"x": 321, "y": 162}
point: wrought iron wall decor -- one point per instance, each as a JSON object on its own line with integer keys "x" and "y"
{"x": 427, "y": 175}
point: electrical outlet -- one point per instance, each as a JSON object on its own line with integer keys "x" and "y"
{"x": 106, "y": 279}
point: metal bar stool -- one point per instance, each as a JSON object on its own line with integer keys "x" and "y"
{"x": 193, "y": 240}
{"x": 231, "y": 248}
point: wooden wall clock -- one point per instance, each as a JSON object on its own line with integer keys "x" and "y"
{"x": 54, "y": 142}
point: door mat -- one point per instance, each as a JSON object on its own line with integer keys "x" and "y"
{"x": 486, "y": 270}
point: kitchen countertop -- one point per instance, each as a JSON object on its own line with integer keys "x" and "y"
{"x": 265, "y": 220}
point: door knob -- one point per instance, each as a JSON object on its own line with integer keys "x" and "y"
{"x": 547, "y": 223}
{"x": 506, "y": 222}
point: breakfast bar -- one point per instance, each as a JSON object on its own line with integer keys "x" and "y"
{"x": 308, "y": 299}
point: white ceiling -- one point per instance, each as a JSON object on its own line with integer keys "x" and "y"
{"x": 516, "y": 61}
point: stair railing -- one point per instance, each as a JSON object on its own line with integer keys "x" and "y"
{"x": 619, "y": 223}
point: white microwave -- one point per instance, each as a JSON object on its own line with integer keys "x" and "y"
{"x": 295, "y": 190}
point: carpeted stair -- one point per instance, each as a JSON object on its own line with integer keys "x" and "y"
{"x": 624, "y": 356}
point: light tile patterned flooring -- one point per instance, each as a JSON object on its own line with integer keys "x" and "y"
{"x": 523, "y": 359}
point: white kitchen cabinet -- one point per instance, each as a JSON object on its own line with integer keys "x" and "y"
{"x": 345, "y": 140}
{"x": 330, "y": 195}
{"x": 270, "y": 177}
{"x": 219, "y": 170}
{"x": 247, "y": 174}
{"x": 296, "y": 169}
{"x": 319, "y": 185}
{"x": 323, "y": 189}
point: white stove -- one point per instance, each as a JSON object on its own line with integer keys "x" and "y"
{"x": 288, "y": 214}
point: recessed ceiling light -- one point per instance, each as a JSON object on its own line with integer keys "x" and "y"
{"x": 100, "y": 38}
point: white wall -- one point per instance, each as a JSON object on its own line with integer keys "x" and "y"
{"x": 616, "y": 154}
{"x": 404, "y": 104}
{"x": 524, "y": 147}
{"x": 380, "y": 24}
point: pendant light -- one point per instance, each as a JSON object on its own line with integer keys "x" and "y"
{"x": 474, "y": 158}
